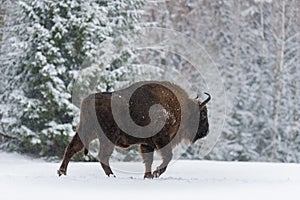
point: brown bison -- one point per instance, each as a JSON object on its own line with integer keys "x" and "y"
{"x": 155, "y": 115}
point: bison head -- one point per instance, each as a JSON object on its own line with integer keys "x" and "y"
{"x": 203, "y": 126}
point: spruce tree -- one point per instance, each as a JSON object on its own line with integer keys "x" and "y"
{"x": 44, "y": 50}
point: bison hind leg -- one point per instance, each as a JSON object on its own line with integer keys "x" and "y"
{"x": 147, "y": 155}
{"x": 73, "y": 148}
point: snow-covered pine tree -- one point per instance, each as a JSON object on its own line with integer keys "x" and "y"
{"x": 12, "y": 54}
{"x": 37, "y": 95}
{"x": 45, "y": 45}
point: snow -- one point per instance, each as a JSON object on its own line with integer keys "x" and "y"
{"x": 26, "y": 178}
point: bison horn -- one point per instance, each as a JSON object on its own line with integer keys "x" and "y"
{"x": 205, "y": 102}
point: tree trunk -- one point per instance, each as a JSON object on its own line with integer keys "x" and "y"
{"x": 278, "y": 83}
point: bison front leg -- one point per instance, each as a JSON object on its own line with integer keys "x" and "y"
{"x": 147, "y": 155}
{"x": 106, "y": 149}
{"x": 166, "y": 153}
{"x": 74, "y": 147}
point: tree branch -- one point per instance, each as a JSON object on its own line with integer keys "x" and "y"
{"x": 4, "y": 132}
{"x": 8, "y": 136}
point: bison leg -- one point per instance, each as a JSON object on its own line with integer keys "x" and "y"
{"x": 74, "y": 147}
{"x": 166, "y": 153}
{"x": 106, "y": 149}
{"x": 147, "y": 155}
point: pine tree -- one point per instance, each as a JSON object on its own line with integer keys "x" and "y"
{"x": 54, "y": 41}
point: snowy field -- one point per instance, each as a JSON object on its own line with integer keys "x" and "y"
{"x": 24, "y": 178}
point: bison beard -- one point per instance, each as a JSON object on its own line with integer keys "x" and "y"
{"x": 185, "y": 118}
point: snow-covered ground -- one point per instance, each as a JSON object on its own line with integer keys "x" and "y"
{"x": 25, "y": 178}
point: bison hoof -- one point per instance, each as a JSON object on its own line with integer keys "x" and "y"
{"x": 148, "y": 175}
{"x": 156, "y": 173}
{"x": 111, "y": 175}
{"x": 61, "y": 172}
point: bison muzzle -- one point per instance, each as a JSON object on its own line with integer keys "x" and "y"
{"x": 155, "y": 115}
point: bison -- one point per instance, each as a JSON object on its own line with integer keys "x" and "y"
{"x": 156, "y": 115}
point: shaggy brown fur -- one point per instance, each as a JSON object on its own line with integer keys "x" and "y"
{"x": 185, "y": 118}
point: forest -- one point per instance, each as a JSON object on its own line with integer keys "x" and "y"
{"x": 246, "y": 53}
